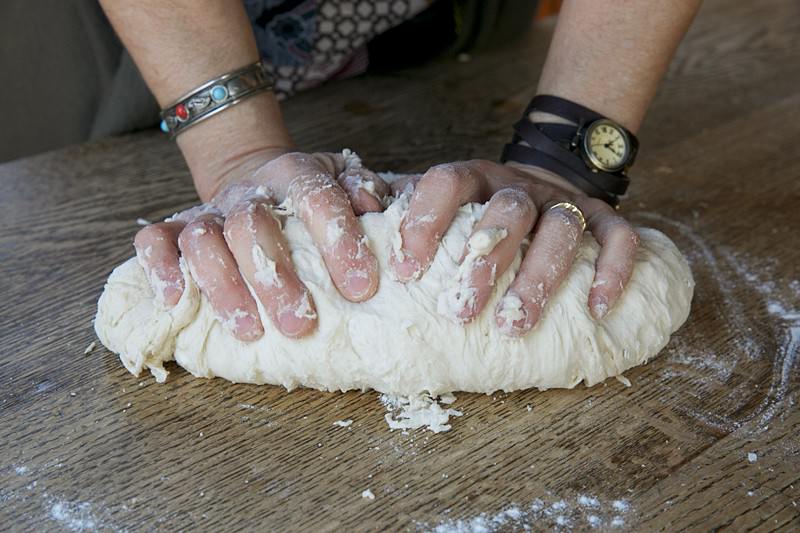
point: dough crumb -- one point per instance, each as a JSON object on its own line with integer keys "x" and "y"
{"x": 143, "y": 222}
{"x": 368, "y": 494}
{"x": 752, "y": 457}
{"x": 460, "y": 296}
{"x": 343, "y": 423}
{"x": 422, "y": 410}
{"x": 351, "y": 159}
{"x": 622, "y": 379}
{"x": 90, "y": 347}
{"x": 266, "y": 269}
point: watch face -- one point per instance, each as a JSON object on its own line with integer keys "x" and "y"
{"x": 606, "y": 145}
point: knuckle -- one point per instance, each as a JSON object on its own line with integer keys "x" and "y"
{"x": 620, "y": 230}
{"x": 293, "y": 159}
{"x": 152, "y": 234}
{"x": 311, "y": 193}
{"x": 199, "y": 229}
{"x": 324, "y": 197}
{"x": 293, "y": 164}
{"x": 241, "y": 215}
{"x": 446, "y": 178}
{"x": 511, "y": 199}
{"x": 231, "y": 195}
{"x": 328, "y": 160}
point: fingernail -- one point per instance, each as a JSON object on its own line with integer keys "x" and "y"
{"x": 408, "y": 269}
{"x": 165, "y": 291}
{"x": 598, "y": 307}
{"x": 246, "y": 326}
{"x": 299, "y": 319}
{"x": 512, "y": 317}
{"x": 294, "y": 326}
{"x": 172, "y": 295}
{"x": 358, "y": 284}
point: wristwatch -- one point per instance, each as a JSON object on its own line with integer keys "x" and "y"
{"x": 607, "y": 147}
{"x": 593, "y": 153}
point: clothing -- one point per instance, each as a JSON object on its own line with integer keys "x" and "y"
{"x": 308, "y": 42}
{"x": 73, "y": 81}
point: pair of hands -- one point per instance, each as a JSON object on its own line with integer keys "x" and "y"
{"x": 235, "y": 240}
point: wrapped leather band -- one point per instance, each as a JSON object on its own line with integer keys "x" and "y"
{"x": 530, "y": 156}
{"x": 615, "y": 184}
{"x": 563, "y": 108}
{"x": 554, "y": 147}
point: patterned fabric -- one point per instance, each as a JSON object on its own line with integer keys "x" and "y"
{"x": 306, "y": 42}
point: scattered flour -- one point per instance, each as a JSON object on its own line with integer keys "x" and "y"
{"x": 594, "y": 520}
{"x": 73, "y": 516}
{"x": 252, "y": 407}
{"x": 752, "y": 457}
{"x": 588, "y": 501}
{"x": 559, "y": 514}
{"x": 727, "y": 271}
{"x": 423, "y": 410}
{"x": 620, "y": 505}
{"x": 368, "y": 494}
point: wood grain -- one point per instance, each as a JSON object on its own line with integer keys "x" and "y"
{"x": 83, "y": 444}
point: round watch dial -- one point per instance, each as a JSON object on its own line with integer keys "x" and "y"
{"x": 606, "y": 145}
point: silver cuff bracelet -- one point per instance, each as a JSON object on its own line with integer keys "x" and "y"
{"x": 214, "y": 96}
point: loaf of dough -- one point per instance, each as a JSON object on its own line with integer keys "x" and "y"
{"x": 399, "y": 342}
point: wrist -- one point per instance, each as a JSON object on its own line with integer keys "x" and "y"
{"x": 220, "y": 150}
{"x": 545, "y": 175}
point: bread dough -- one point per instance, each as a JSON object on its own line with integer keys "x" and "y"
{"x": 403, "y": 341}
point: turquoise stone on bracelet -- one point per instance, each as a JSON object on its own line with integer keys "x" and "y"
{"x": 164, "y": 126}
{"x": 219, "y": 93}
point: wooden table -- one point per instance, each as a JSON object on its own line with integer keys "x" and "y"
{"x": 706, "y": 438}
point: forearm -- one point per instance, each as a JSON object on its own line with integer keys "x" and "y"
{"x": 178, "y": 45}
{"x": 610, "y": 55}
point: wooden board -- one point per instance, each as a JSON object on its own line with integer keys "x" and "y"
{"x": 83, "y": 444}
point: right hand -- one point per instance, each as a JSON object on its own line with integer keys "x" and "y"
{"x": 235, "y": 238}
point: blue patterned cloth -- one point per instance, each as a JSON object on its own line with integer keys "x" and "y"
{"x": 284, "y": 30}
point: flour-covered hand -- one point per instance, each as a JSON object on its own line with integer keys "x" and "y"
{"x": 235, "y": 240}
{"x": 520, "y": 201}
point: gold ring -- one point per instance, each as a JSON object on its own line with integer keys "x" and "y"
{"x": 574, "y": 209}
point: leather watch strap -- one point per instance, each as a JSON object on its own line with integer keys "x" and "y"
{"x": 615, "y": 184}
{"x": 563, "y": 134}
{"x": 556, "y": 147}
{"x": 530, "y": 156}
{"x": 563, "y": 108}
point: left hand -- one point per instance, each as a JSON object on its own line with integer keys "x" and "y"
{"x": 519, "y": 200}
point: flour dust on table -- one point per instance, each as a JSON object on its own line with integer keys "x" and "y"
{"x": 404, "y": 341}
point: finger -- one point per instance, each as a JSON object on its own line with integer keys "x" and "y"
{"x": 157, "y": 250}
{"x": 325, "y": 210}
{"x": 618, "y": 244}
{"x": 260, "y": 249}
{"x": 405, "y": 184}
{"x": 546, "y": 264}
{"x": 495, "y": 239}
{"x": 436, "y": 199}
{"x": 365, "y": 189}
{"x": 214, "y": 269}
